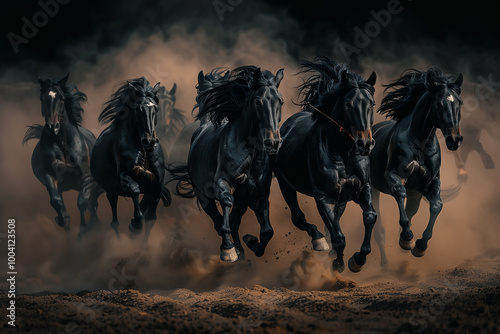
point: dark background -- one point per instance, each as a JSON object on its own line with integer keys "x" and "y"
{"x": 447, "y": 33}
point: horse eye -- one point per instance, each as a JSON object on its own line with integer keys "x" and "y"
{"x": 348, "y": 105}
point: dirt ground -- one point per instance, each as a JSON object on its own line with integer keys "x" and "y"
{"x": 465, "y": 299}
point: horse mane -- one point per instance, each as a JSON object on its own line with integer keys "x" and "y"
{"x": 113, "y": 109}
{"x": 227, "y": 99}
{"x": 73, "y": 100}
{"x": 324, "y": 87}
{"x": 408, "y": 89}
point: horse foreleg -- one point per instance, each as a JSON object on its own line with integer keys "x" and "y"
{"x": 56, "y": 201}
{"x": 135, "y": 226}
{"x": 83, "y": 202}
{"x": 332, "y": 221}
{"x": 239, "y": 209}
{"x": 433, "y": 194}
{"x": 299, "y": 219}
{"x": 364, "y": 200}
{"x": 226, "y": 200}
{"x": 149, "y": 203}
{"x": 113, "y": 202}
{"x": 398, "y": 191}
{"x": 261, "y": 210}
{"x": 379, "y": 229}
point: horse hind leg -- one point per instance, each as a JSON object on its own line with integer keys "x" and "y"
{"x": 299, "y": 219}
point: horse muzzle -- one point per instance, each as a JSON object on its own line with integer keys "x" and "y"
{"x": 149, "y": 142}
{"x": 453, "y": 138}
{"x": 272, "y": 142}
{"x": 53, "y": 128}
{"x": 364, "y": 142}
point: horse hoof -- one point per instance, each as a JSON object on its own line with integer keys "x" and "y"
{"x": 338, "y": 266}
{"x": 406, "y": 244}
{"x": 353, "y": 266}
{"x": 250, "y": 240}
{"x": 320, "y": 244}
{"x": 134, "y": 232}
{"x": 417, "y": 252}
{"x": 228, "y": 255}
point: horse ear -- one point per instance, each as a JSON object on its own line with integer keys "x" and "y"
{"x": 173, "y": 90}
{"x": 156, "y": 88}
{"x": 201, "y": 77}
{"x": 62, "y": 82}
{"x": 279, "y": 77}
{"x": 257, "y": 74}
{"x": 430, "y": 81}
{"x": 41, "y": 81}
{"x": 226, "y": 74}
{"x": 372, "y": 79}
{"x": 460, "y": 80}
{"x": 343, "y": 77}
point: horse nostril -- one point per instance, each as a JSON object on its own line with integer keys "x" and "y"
{"x": 360, "y": 143}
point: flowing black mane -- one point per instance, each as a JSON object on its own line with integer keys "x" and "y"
{"x": 227, "y": 100}
{"x": 73, "y": 99}
{"x": 113, "y": 109}
{"x": 324, "y": 86}
{"x": 409, "y": 88}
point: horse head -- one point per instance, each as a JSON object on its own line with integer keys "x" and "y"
{"x": 52, "y": 100}
{"x": 267, "y": 102}
{"x": 445, "y": 108}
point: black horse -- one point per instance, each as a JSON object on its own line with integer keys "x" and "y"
{"x": 128, "y": 159}
{"x": 180, "y": 149}
{"x": 171, "y": 120}
{"x": 325, "y": 153}
{"x": 229, "y": 156}
{"x": 407, "y": 159}
{"x": 61, "y": 159}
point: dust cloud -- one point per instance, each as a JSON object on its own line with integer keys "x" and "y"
{"x": 184, "y": 247}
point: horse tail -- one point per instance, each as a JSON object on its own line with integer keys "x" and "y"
{"x": 166, "y": 198}
{"x": 34, "y": 132}
{"x": 184, "y": 186}
{"x": 450, "y": 193}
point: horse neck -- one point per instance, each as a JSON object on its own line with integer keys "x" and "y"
{"x": 246, "y": 126}
{"x": 329, "y": 127}
{"x": 421, "y": 124}
{"x": 68, "y": 130}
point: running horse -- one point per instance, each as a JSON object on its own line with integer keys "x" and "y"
{"x": 407, "y": 159}
{"x": 325, "y": 151}
{"x": 229, "y": 159}
{"x": 180, "y": 149}
{"x": 61, "y": 158}
{"x": 171, "y": 120}
{"x": 128, "y": 158}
